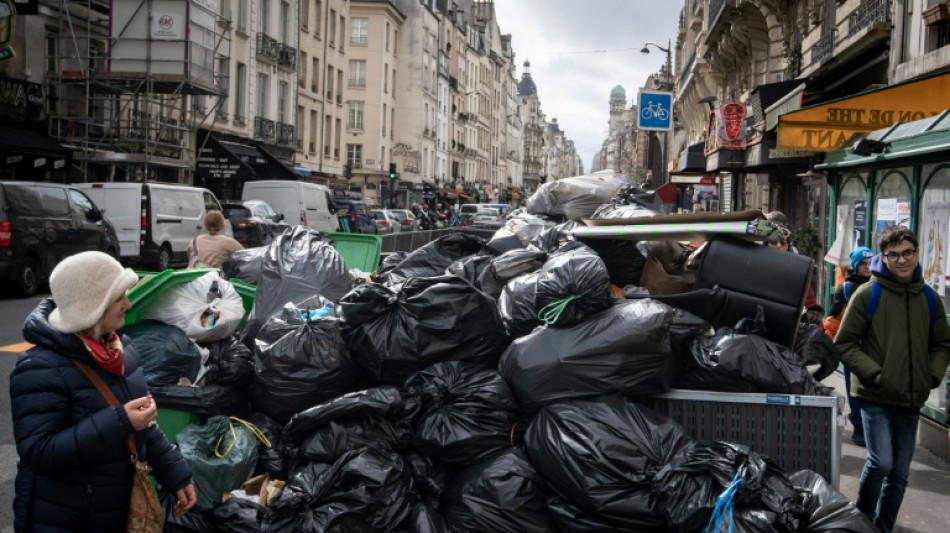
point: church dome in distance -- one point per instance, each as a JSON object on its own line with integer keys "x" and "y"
{"x": 618, "y": 91}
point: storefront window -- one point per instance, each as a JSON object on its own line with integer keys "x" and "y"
{"x": 892, "y": 204}
{"x": 854, "y": 196}
{"x": 934, "y": 238}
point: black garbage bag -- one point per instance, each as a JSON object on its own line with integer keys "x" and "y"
{"x": 508, "y": 266}
{"x": 500, "y": 494}
{"x": 741, "y": 360}
{"x": 690, "y": 486}
{"x": 379, "y": 418}
{"x": 470, "y": 268}
{"x": 826, "y": 509}
{"x": 573, "y": 284}
{"x": 425, "y": 519}
{"x": 209, "y": 400}
{"x": 429, "y": 477}
{"x": 601, "y": 456}
{"x": 194, "y": 521}
{"x": 269, "y": 458}
{"x": 238, "y": 515}
{"x": 165, "y": 352}
{"x": 245, "y": 265}
{"x": 299, "y": 264}
{"x": 622, "y": 258}
{"x": 432, "y": 259}
{"x": 516, "y": 305}
{"x": 629, "y": 348}
{"x": 300, "y": 362}
{"x": 362, "y": 491}
{"x": 230, "y": 363}
{"x": 550, "y": 239}
{"x": 393, "y": 332}
{"x": 468, "y": 413}
{"x": 631, "y": 202}
{"x": 815, "y": 348}
{"x": 390, "y": 262}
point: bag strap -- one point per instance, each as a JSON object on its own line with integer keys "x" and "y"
{"x": 107, "y": 394}
{"x": 848, "y": 288}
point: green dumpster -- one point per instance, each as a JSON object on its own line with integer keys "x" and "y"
{"x": 358, "y": 250}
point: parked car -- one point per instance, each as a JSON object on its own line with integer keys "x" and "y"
{"x": 254, "y": 222}
{"x": 43, "y": 223}
{"x": 488, "y": 216}
{"x": 407, "y": 220}
{"x": 386, "y": 221}
{"x": 503, "y": 209}
{"x": 155, "y": 222}
{"x": 356, "y": 214}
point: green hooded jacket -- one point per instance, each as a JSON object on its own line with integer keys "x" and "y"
{"x": 900, "y": 344}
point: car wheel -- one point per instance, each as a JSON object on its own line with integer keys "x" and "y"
{"x": 28, "y": 277}
{"x": 164, "y": 258}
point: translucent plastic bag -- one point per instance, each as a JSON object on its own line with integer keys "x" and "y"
{"x": 576, "y": 197}
{"x": 206, "y": 309}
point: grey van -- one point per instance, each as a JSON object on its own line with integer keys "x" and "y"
{"x": 43, "y": 223}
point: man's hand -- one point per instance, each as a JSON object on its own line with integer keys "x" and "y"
{"x": 877, "y": 379}
{"x": 142, "y": 412}
{"x": 186, "y": 499}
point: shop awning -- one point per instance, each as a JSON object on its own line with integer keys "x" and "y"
{"x": 218, "y": 158}
{"x": 826, "y": 127}
{"x": 302, "y": 171}
{"x": 691, "y": 160}
{"x": 925, "y": 138}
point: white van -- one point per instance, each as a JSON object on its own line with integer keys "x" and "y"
{"x": 154, "y": 222}
{"x": 307, "y": 204}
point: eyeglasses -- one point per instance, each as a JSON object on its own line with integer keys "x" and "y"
{"x": 906, "y": 254}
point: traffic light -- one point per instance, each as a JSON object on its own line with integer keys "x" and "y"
{"x": 392, "y": 171}
{"x": 348, "y": 170}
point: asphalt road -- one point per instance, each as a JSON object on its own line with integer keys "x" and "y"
{"x": 13, "y": 311}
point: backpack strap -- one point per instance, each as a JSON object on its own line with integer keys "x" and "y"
{"x": 848, "y": 288}
{"x": 875, "y": 300}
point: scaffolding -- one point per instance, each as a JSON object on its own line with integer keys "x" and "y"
{"x": 130, "y": 86}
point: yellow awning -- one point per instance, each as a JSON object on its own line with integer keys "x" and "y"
{"x": 826, "y": 127}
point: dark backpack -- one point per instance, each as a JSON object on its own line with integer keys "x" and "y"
{"x": 875, "y": 300}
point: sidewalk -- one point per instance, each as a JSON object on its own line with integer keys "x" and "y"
{"x": 926, "y": 507}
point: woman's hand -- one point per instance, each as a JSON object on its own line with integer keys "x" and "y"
{"x": 142, "y": 412}
{"x": 186, "y": 499}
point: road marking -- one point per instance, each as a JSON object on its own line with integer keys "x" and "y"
{"x": 16, "y": 348}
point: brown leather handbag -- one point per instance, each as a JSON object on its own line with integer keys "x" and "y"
{"x": 145, "y": 511}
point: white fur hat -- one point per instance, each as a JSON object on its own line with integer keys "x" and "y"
{"x": 83, "y": 286}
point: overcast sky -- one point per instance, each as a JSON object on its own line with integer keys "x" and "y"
{"x": 580, "y": 49}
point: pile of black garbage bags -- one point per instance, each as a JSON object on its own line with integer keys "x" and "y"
{"x": 474, "y": 386}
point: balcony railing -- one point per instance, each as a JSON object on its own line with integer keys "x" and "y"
{"x": 869, "y": 12}
{"x": 264, "y": 129}
{"x": 267, "y": 47}
{"x": 287, "y": 56}
{"x": 823, "y": 48}
{"x": 285, "y": 134}
{"x": 715, "y": 9}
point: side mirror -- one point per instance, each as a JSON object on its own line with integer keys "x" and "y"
{"x": 280, "y": 216}
{"x": 93, "y": 215}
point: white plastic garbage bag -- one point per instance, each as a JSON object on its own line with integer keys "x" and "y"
{"x": 577, "y": 197}
{"x": 206, "y": 309}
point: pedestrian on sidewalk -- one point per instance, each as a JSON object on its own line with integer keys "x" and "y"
{"x": 74, "y": 471}
{"x": 213, "y": 249}
{"x": 859, "y": 274}
{"x": 896, "y": 342}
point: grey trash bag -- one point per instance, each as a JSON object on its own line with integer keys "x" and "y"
{"x": 245, "y": 265}
{"x": 508, "y": 266}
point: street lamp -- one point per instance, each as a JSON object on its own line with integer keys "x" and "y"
{"x": 669, "y": 60}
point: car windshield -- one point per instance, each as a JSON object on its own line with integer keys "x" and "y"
{"x": 234, "y": 211}
{"x": 379, "y": 215}
{"x": 488, "y": 212}
{"x": 402, "y": 214}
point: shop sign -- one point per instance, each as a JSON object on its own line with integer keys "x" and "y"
{"x": 827, "y": 127}
{"x": 733, "y": 120}
{"x": 727, "y": 117}
{"x": 707, "y": 180}
{"x": 21, "y": 99}
{"x": 166, "y": 26}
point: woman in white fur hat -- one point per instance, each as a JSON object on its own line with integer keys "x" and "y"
{"x": 74, "y": 472}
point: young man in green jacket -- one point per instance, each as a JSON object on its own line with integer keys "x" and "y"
{"x": 897, "y": 358}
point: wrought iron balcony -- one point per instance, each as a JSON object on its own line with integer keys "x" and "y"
{"x": 869, "y": 12}
{"x": 267, "y": 47}
{"x": 822, "y": 49}
{"x": 264, "y": 129}
{"x": 287, "y": 56}
{"x": 285, "y": 134}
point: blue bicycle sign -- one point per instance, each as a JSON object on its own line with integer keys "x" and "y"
{"x": 656, "y": 110}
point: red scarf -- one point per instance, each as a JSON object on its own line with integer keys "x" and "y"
{"x": 108, "y": 355}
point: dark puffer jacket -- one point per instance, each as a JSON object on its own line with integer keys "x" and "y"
{"x": 74, "y": 472}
